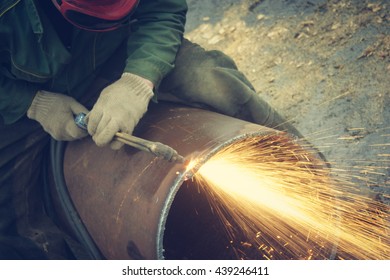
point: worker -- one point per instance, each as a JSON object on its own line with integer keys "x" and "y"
{"x": 106, "y": 58}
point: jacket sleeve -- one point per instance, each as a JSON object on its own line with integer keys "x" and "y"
{"x": 156, "y": 38}
{"x": 15, "y": 98}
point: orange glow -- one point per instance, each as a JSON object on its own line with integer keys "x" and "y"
{"x": 289, "y": 206}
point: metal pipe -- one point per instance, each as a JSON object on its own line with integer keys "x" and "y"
{"x": 134, "y": 205}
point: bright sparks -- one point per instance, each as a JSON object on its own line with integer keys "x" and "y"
{"x": 281, "y": 202}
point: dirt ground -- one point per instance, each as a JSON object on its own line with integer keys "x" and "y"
{"x": 324, "y": 65}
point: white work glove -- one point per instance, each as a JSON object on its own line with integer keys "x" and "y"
{"x": 55, "y": 112}
{"x": 119, "y": 107}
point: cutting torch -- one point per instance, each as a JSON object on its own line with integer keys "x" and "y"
{"x": 156, "y": 148}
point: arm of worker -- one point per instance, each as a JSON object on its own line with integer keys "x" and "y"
{"x": 15, "y": 98}
{"x": 156, "y": 38}
{"x": 55, "y": 112}
{"x": 151, "y": 49}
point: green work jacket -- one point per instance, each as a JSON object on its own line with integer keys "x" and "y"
{"x": 32, "y": 56}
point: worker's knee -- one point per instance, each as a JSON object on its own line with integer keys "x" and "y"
{"x": 216, "y": 88}
{"x": 192, "y": 57}
{"x": 217, "y": 59}
{"x": 207, "y": 79}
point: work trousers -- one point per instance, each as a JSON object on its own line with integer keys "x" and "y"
{"x": 203, "y": 79}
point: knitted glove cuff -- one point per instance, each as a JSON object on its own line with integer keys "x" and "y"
{"x": 41, "y": 105}
{"x": 137, "y": 84}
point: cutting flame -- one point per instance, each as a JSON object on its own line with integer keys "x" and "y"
{"x": 289, "y": 206}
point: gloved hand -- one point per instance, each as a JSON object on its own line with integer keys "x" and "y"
{"x": 119, "y": 107}
{"x": 55, "y": 112}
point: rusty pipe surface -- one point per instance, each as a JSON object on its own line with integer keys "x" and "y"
{"x": 124, "y": 198}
